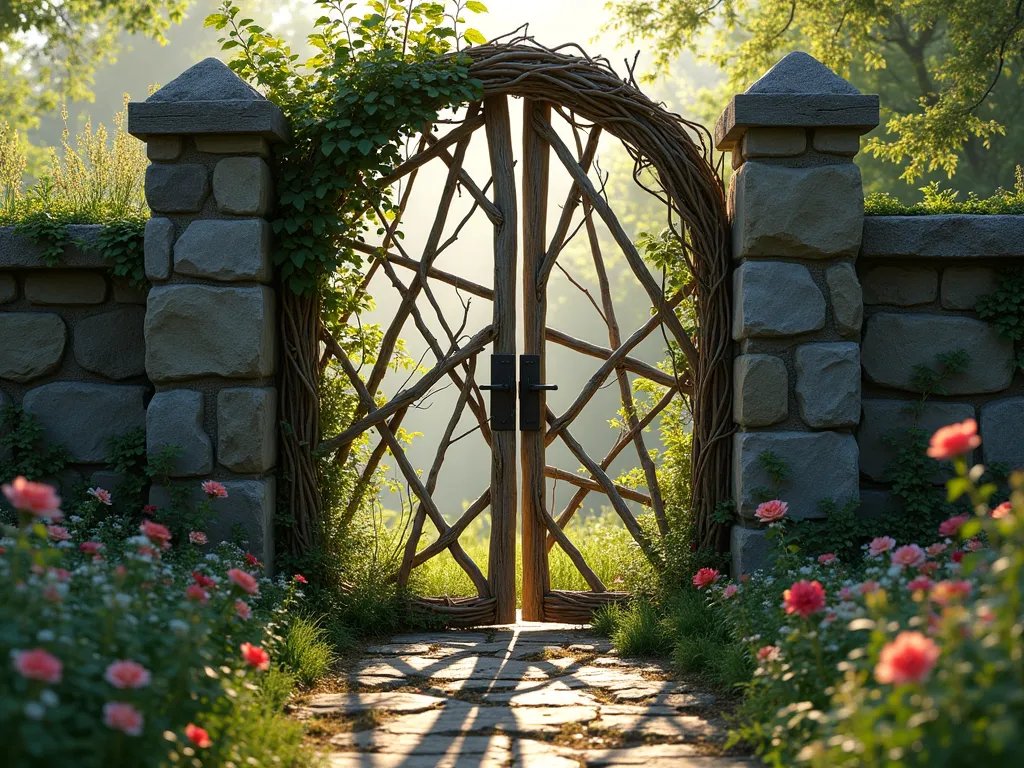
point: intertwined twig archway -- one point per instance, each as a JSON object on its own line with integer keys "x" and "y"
{"x": 673, "y": 161}
{"x": 678, "y": 153}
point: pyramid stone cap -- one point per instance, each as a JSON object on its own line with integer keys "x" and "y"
{"x": 801, "y": 92}
{"x": 207, "y": 98}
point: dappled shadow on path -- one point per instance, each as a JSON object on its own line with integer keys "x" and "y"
{"x": 522, "y": 695}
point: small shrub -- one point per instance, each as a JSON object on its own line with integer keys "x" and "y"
{"x": 941, "y": 201}
{"x": 606, "y": 618}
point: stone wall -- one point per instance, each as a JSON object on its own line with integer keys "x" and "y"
{"x": 72, "y": 352}
{"x": 922, "y": 277}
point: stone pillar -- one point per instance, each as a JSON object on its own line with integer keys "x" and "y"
{"x": 797, "y": 211}
{"x": 210, "y": 328}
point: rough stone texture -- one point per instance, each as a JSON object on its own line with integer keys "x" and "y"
{"x": 249, "y": 505}
{"x": 1002, "y": 427}
{"x": 799, "y": 72}
{"x": 106, "y": 480}
{"x": 369, "y": 701}
{"x": 18, "y": 251}
{"x": 197, "y": 330}
{"x": 207, "y": 98}
{"x": 828, "y": 384}
{"x": 894, "y": 344}
{"x": 112, "y": 344}
{"x": 900, "y": 286}
{"x": 65, "y": 286}
{"x": 242, "y": 186}
{"x": 175, "y": 418}
{"x": 760, "y": 390}
{"x": 233, "y": 145}
{"x": 164, "y": 148}
{"x": 963, "y": 286}
{"x": 953, "y": 236}
{"x": 750, "y": 548}
{"x": 773, "y": 299}
{"x": 176, "y": 188}
{"x": 814, "y": 212}
{"x": 247, "y": 429}
{"x": 847, "y": 298}
{"x": 8, "y": 289}
{"x": 31, "y": 344}
{"x": 836, "y": 141}
{"x": 224, "y": 250}
{"x": 125, "y": 293}
{"x": 833, "y": 455}
{"x": 895, "y": 417}
{"x": 774, "y": 142}
{"x": 83, "y": 417}
{"x": 157, "y": 245}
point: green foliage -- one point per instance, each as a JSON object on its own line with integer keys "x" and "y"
{"x": 943, "y": 201}
{"x": 52, "y": 50}
{"x": 379, "y": 77}
{"x": 126, "y": 455}
{"x": 638, "y": 631}
{"x": 702, "y": 642}
{"x": 943, "y": 69}
{"x": 121, "y": 244}
{"x": 27, "y": 456}
{"x": 306, "y": 651}
{"x": 1004, "y": 308}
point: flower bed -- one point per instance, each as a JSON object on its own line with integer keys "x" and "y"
{"x": 123, "y": 646}
{"x": 912, "y": 655}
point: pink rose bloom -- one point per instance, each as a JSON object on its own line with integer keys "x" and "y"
{"x": 729, "y": 591}
{"x": 246, "y": 582}
{"x": 127, "y": 674}
{"x": 51, "y": 594}
{"x": 827, "y": 559}
{"x": 769, "y": 653}
{"x": 196, "y": 594}
{"x": 58, "y": 533}
{"x": 197, "y": 735}
{"x": 975, "y": 544}
{"x": 908, "y": 555}
{"x": 928, "y": 569}
{"x": 38, "y": 664}
{"x": 946, "y": 592}
{"x": 120, "y": 716}
{"x": 936, "y": 549}
{"x": 705, "y": 577}
{"x": 951, "y": 526}
{"x": 771, "y": 511}
{"x": 215, "y": 490}
{"x": 920, "y": 584}
{"x": 881, "y": 544}
{"x": 243, "y": 610}
{"x": 40, "y": 499}
{"x": 61, "y": 574}
{"x": 158, "y": 534}
{"x": 100, "y": 494}
{"x": 868, "y": 587}
{"x": 252, "y": 560}
{"x": 91, "y": 547}
{"x": 909, "y": 658}
{"x": 954, "y": 440}
{"x": 804, "y": 598}
{"x": 847, "y": 594}
{"x": 1002, "y": 510}
{"x": 255, "y": 656}
{"x": 197, "y": 538}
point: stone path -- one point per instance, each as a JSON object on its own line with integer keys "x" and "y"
{"x": 525, "y": 696}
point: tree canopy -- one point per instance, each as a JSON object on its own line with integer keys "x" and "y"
{"x": 948, "y": 71}
{"x": 50, "y": 50}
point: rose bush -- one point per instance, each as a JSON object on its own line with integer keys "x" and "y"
{"x": 122, "y": 646}
{"x": 912, "y": 655}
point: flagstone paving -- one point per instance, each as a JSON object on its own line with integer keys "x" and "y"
{"x": 524, "y": 696}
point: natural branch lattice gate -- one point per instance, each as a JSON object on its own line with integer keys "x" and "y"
{"x": 591, "y": 100}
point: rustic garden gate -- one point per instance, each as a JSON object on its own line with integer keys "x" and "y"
{"x": 591, "y": 99}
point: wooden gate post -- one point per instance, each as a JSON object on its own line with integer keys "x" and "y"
{"x": 797, "y": 209}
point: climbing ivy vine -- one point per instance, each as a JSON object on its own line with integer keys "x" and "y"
{"x": 378, "y": 78}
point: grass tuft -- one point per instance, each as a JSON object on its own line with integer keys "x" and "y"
{"x": 308, "y": 653}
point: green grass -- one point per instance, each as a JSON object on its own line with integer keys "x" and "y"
{"x": 308, "y": 652}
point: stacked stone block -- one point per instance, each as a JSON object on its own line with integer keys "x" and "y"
{"x": 796, "y": 203}
{"x": 210, "y": 323}
{"x": 923, "y": 277}
{"x": 72, "y": 352}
